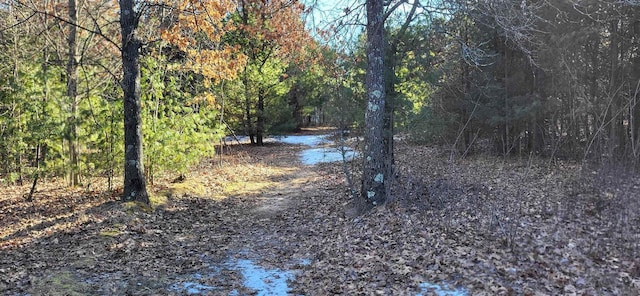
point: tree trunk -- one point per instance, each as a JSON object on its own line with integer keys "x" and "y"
{"x": 248, "y": 125}
{"x": 72, "y": 93}
{"x": 41, "y": 146}
{"x": 375, "y": 169}
{"x": 616, "y": 128}
{"x": 592, "y": 51}
{"x": 135, "y": 187}
{"x": 297, "y": 108}
{"x": 635, "y": 88}
{"x": 261, "y": 118}
{"x": 16, "y": 113}
{"x": 390, "y": 89}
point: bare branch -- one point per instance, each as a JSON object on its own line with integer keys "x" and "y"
{"x": 67, "y": 22}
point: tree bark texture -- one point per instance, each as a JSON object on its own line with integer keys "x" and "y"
{"x": 375, "y": 171}
{"x": 616, "y": 133}
{"x": 72, "y": 93}
{"x": 248, "y": 123}
{"x": 260, "y": 124}
{"x": 135, "y": 187}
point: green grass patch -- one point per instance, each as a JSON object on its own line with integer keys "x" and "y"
{"x": 59, "y": 283}
{"x": 112, "y": 231}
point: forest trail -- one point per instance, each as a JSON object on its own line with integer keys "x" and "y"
{"x": 256, "y": 220}
{"x": 287, "y": 190}
{"x": 267, "y": 248}
{"x": 227, "y": 229}
{"x": 286, "y": 195}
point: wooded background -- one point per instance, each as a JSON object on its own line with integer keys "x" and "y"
{"x": 560, "y": 79}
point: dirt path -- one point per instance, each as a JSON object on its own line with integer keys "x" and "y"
{"x": 223, "y": 223}
{"x": 261, "y": 241}
{"x": 257, "y": 221}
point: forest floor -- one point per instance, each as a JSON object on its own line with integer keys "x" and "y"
{"x": 255, "y": 220}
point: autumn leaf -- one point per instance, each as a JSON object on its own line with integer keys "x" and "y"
{"x": 208, "y": 56}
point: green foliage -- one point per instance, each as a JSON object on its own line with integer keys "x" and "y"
{"x": 102, "y": 133}
{"x": 347, "y": 103}
{"x": 346, "y": 89}
{"x": 311, "y": 89}
{"x": 28, "y": 117}
{"x": 179, "y": 118}
{"x": 428, "y": 126}
{"x": 267, "y": 78}
{"x": 414, "y": 89}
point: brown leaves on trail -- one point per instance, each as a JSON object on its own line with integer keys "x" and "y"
{"x": 55, "y": 208}
{"x": 484, "y": 226}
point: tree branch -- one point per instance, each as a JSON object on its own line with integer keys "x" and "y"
{"x": 63, "y": 20}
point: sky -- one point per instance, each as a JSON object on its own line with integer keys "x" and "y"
{"x": 330, "y": 15}
{"x": 346, "y": 19}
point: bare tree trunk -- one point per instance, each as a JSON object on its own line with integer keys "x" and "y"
{"x": 248, "y": 124}
{"x": 261, "y": 118}
{"x": 72, "y": 93}
{"x": 592, "y": 51}
{"x": 16, "y": 112}
{"x": 375, "y": 169}
{"x": 135, "y": 186}
{"x": 635, "y": 90}
{"x": 616, "y": 127}
{"x": 41, "y": 146}
{"x": 36, "y": 175}
{"x": 297, "y": 108}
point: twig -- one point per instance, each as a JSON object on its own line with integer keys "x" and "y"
{"x": 345, "y": 168}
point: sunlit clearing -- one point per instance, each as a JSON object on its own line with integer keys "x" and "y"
{"x": 243, "y": 179}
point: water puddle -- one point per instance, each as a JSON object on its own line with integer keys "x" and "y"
{"x": 264, "y": 281}
{"x": 192, "y": 288}
{"x": 320, "y": 155}
{"x": 313, "y": 156}
{"x": 309, "y": 140}
{"x": 442, "y": 290}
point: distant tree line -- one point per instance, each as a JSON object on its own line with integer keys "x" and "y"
{"x": 559, "y": 78}
{"x": 556, "y": 78}
{"x": 552, "y": 78}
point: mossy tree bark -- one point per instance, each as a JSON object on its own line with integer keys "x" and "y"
{"x": 375, "y": 170}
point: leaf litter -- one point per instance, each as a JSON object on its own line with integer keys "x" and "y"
{"x": 482, "y": 225}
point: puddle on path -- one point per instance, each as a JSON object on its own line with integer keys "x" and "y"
{"x": 309, "y": 140}
{"x": 264, "y": 281}
{"x": 313, "y": 156}
{"x": 442, "y": 290}
{"x": 192, "y": 288}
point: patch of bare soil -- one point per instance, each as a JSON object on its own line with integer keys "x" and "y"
{"x": 490, "y": 225}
